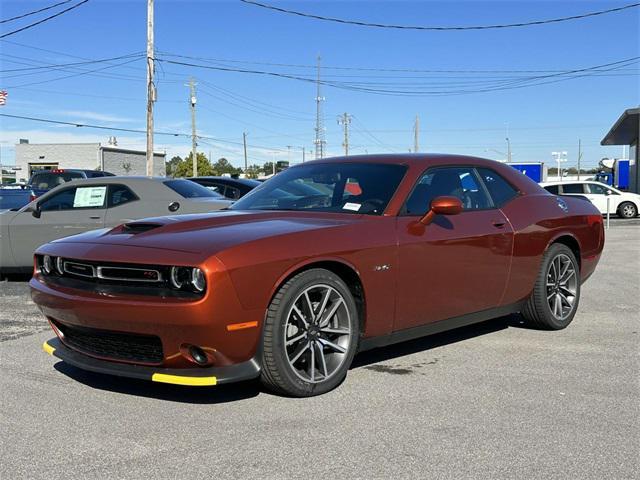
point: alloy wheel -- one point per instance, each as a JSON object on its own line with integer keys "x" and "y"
{"x": 628, "y": 211}
{"x": 562, "y": 286}
{"x": 317, "y": 333}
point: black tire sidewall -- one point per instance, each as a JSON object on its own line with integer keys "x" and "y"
{"x": 294, "y": 385}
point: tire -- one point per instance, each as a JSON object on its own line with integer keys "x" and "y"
{"x": 331, "y": 334}
{"x": 542, "y": 310}
{"x": 627, "y": 210}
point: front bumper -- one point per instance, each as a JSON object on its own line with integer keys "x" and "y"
{"x": 197, "y": 377}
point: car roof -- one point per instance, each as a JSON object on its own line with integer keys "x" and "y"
{"x": 244, "y": 181}
{"x": 424, "y": 159}
{"x": 565, "y": 182}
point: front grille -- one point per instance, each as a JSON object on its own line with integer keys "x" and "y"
{"x": 117, "y": 346}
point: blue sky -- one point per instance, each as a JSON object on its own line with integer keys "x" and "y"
{"x": 538, "y": 119}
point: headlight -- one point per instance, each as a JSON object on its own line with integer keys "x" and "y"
{"x": 59, "y": 265}
{"x": 197, "y": 279}
{"x": 187, "y": 278}
{"x": 47, "y": 264}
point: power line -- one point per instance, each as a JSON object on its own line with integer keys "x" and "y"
{"x": 31, "y": 25}
{"x": 63, "y": 65}
{"x": 437, "y": 28}
{"x": 34, "y": 12}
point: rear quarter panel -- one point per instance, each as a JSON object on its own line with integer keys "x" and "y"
{"x": 538, "y": 222}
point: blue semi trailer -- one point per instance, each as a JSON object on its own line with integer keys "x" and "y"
{"x": 536, "y": 171}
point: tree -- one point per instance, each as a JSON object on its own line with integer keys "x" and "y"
{"x": 223, "y": 166}
{"x": 172, "y": 165}
{"x": 267, "y": 168}
{"x": 184, "y": 168}
{"x": 253, "y": 171}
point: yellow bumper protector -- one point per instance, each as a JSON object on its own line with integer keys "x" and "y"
{"x": 48, "y": 348}
{"x": 180, "y": 380}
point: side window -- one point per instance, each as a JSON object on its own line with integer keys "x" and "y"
{"x": 573, "y": 188}
{"x": 120, "y": 194}
{"x": 458, "y": 182}
{"x": 76, "y": 198}
{"x": 597, "y": 189}
{"x": 553, "y": 189}
{"x": 232, "y": 193}
{"x": 500, "y": 190}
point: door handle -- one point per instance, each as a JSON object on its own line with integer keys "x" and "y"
{"x": 95, "y": 218}
{"x": 498, "y": 223}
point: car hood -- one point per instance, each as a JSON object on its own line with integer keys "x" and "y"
{"x": 211, "y": 232}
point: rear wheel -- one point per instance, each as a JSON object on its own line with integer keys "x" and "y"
{"x": 310, "y": 336}
{"x": 627, "y": 210}
{"x": 554, "y": 300}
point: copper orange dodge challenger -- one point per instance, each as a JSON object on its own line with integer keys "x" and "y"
{"x": 326, "y": 259}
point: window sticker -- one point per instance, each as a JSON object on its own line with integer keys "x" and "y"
{"x": 351, "y": 206}
{"x": 89, "y": 197}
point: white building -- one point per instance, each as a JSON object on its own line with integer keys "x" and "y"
{"x": 85, "y": 156}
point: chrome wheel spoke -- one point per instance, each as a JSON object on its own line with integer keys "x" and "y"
{"x": 338, "y": 331}
{"x": 293, "y": 340}
{"x": 312, "y": 370}
{"x": 298, "y": 352}
{"x": 323, "y": 363}
{"x": 332, "y": 345}
{"x": 326, "y": 318}
{"x": 300, "y": 316}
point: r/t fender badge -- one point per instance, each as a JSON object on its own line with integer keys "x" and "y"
{"x": 381, "y": 268}
{"x": 562, "y": 204}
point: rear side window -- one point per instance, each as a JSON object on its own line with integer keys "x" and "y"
{"x": 553, "y": 189}
{"x": 500, "y": 190}
{"x": 120, "y": 194}
{"x": 76, "y": 198}
{"x": 189, "y": 189}
{"x": 573, "y": 188}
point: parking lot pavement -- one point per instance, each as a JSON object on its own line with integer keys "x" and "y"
{"x": 490, "y": 401}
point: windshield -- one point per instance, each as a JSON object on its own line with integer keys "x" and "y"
{"x": 189, "y": 189}
{"x": 327, "y": 187}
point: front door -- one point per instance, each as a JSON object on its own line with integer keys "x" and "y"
{"x": 457, "y": 264}
{"x": 63, "y": 213}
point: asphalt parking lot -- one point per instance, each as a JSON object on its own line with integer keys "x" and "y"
{"x": 494, "y": 400}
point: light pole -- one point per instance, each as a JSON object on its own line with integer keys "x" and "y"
{"x": 559, "y": 157}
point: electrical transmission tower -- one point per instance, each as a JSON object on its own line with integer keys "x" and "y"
{"x": 345, "y": 120}
{"x": 320, "y": 141}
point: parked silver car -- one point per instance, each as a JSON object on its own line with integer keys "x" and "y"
{"x": 89, "y": 204}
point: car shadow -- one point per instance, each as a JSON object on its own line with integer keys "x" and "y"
{"x": 162, "y": 391}
{"x": 15, "y": 277}
{"x": 398, "y": 350}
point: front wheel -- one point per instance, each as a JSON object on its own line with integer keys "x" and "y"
{"x": 556, "y": 294}
{"x": 627, "y": 210}
{"x": 311, "y": 335}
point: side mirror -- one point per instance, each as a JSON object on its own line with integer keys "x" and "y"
{"x": 35, "y": 210}
{"x": 444, "y": 205}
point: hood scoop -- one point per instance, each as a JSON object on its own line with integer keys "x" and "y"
{"x": 139, "y": 227}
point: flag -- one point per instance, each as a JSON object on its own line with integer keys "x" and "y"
{"x": 3, "y": 97}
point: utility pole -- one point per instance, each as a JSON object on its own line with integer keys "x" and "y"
{"x": 244, "y": 144}
{"x": 345, "y": 120}
{"x": 194, "y": 137}
{"x": 151, "y": 89}
{"x": 579, "y": 156}
{"x": 304, "y": 152}
{"x": 416, "y": 133}
{"x": 320, "y": 140}
{"x": 508, "y": 150}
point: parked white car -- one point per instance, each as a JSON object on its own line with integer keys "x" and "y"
{"x": 624, "y": 204}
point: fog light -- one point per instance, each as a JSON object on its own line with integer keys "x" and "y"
{"x": 197, "y": 279}
{"x": 47, "y": 264}
{"x": 198, "y": 355}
